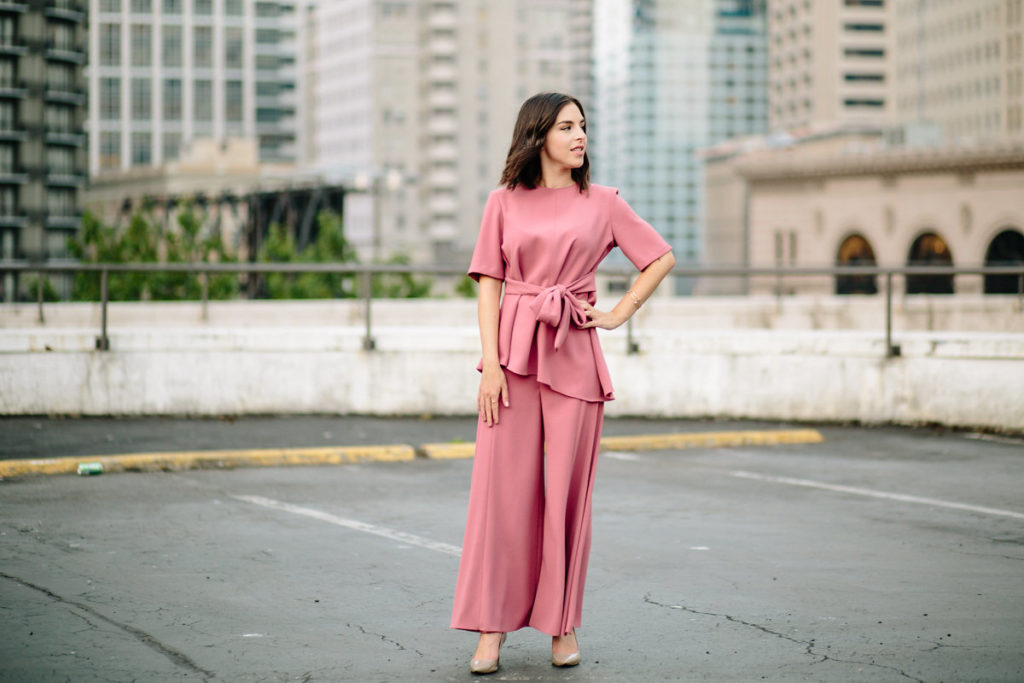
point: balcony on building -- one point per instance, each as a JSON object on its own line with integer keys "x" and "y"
{"x": 62, "y": 92}
{"x": 13, "y": 174}
{"x": 13, "y": 7}
{"x": 64, "y": 137}
{"x": 67, "y": 10}
{"x": 13, "y": 46}
{"x": 12, "y": 89}
{"x": 64, "y": 177}
{"x": 73, "y": 52}
{"x": 63, "y": 222}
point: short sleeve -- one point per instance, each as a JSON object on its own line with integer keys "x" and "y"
{"x": 487, "y": 256}
{"x": 638, "y": 240}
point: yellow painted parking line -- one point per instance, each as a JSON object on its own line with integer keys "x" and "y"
{"x": 446, "y": 451}
{"x": 660, "y": 442}
{"x": 268, "y": 457}
{"x": 340, "y": 455}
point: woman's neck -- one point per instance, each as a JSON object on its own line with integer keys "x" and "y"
{"x": 556, "y": 181}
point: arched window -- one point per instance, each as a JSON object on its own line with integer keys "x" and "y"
{"x": 856, "y": 251}
{"x": 1006, "y": 249}
{"x": 929, "y": 250}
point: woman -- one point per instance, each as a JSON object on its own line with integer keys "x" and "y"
{"x": 543, "y": 380}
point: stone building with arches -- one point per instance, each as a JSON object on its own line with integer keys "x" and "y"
{"x": 844, "y": 197}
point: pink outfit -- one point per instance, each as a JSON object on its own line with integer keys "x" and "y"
{"x": 527, "y": 541}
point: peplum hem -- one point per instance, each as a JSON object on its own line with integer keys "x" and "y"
{"x": 527, "y": 347}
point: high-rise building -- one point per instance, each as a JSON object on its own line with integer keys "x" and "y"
{"x": 416, "y": 101}
{"x": 671, "y": 78}
{"x": 829, "y": 62}
{"x": 165, "y": 72}
{"x": 42, "y": 142}
{"x": 960, "y": 66}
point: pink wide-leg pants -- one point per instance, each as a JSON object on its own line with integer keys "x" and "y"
{"x": 524, "y": 556}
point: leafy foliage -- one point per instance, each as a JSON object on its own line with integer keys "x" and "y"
{"x": 143, "y": 241}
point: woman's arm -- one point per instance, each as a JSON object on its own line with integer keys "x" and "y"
{"x": 645, "y": 284}
{"x": 493, "y": 386}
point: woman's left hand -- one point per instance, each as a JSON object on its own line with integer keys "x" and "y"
{"x": 606, "y": 320}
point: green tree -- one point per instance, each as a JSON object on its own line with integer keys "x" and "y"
{"x": 143, "y": 241}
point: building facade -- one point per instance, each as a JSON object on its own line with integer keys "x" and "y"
{"x": 671, "y": 78}
{"x": 42, "y": 141}
{"x": 960, "y": 67}
{"x": 166, "y": 72}
{"x": 829, "y": 62}
{"x": 847, "y": 199}
{"x": 415, "y": 104}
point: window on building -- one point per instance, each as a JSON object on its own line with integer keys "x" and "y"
{"x": 859, "y": 27}
{"x": 929, "y": 249}
{"x": 142, "y": 45}
{"x": 864, "y": 3}
{"x": 172, "y": 146}
{"x": 869, "y": 102}
{"x": 7, "y": 156}
{"x": 203, "y": 100}
{"x": 233, "y": 8}
{"x": 61, "y": 36}
{"x": 59, "y": 118}
{"x": 172, "y": 6}
{"x": 864, "y": 78}
{"x": 233, "y": 100}
{"x": 142, "y": 99}
{"x": 60, "y": 160}
{"x": 110, "y": 44}
{"x": 7, "y": 71}
{"x": 865, "y": 52}
{"x": 172, "y": 99}
{"x": 60, "y": 201}
{"x": 172, "y": 48}
{"x": 110, "y": 150}
{"x": 142, "y": 6}
{"x": 8, "y": 203}
{"x": 233, "y": 46}
{"x": 203, "y": 7}
{"x": 8, "y": 115}
{"x": 110, "y": 99}
{"x": 110, "y": 5}
{"x": 142, "y": 144}
{"x": 202, "y": 55}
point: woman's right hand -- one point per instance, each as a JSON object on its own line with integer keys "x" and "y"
{"x": 493, "y": 388}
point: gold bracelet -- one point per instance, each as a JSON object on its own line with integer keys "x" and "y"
{"x": 636, "y": 299}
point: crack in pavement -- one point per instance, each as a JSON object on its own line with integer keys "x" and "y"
{"x": 809, "y": 644}
{"x": 178, "y": 658}
{"x": 382, "y": 637}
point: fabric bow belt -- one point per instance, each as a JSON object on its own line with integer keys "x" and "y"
{"x": 556, "y": 305}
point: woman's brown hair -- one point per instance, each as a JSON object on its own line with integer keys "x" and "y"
{"x": 536, "y": 117}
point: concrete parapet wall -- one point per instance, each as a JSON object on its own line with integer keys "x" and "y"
{"x": 956, "y": 379}
{"x": 981, "y": 313}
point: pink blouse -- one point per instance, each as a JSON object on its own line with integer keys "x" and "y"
{"x": 546, "y": 245}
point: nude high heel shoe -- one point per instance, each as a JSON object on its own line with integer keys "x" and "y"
{"x": 571, "y": 659}
{"x": 487, "y": 666}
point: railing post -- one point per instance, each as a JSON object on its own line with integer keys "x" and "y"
{"x": 103, "y": 341}
{"x": 39, "y": 297}
{"x": 369, "y": 344}
{"x": 891, "y": 350}
{"x": 204, "y": 284}
{"x": 632, "y": 347}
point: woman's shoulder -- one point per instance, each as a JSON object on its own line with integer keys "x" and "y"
{"x": 605, "y": 192}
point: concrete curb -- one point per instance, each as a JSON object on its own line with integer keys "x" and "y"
{"x": 340, "y": 455}
{"x": 157, "y": 462}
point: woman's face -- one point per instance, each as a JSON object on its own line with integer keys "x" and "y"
{"x": 566, "y": 141}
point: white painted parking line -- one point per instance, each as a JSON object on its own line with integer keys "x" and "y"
{"x": 619, "y": 455}
{"x": 393, "y": 534}
{"x": 902, "y": 497}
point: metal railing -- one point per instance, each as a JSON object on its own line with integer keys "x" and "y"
{"x": 366, "y": 273}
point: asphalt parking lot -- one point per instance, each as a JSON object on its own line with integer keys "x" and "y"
{"x": 877, "y": 555}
